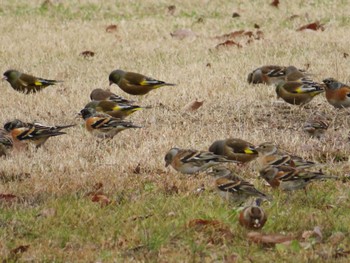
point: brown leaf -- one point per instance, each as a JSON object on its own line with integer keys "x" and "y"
{"x": 315, "y": 233}
{"x": 336, "y": 238}
{"x": 111, "y": 28}
{"x": 233, "y": 258}
{"x": 312, "y": 26}
{"x": 194, "y": 105}
{"x": 248, "y": 33}
{"x": 228, "y": 43}
{"x": 259, "y": 35}
{"x": 256, "y": 26}
{"x": 345, "y": 55}
{"x": 15, "y": 254}
{"x": 19, "y": 250}
{"x": 104, "y": 200}
{"x": 183, "y": 33}
{"x": 275, "y": 3}
{"x": 340, "y": 252}
{"x": 268, "y": 239}
{"x": 171, "y": 9}
{"x": 87, "y": 53}
{"x": 230, "y": 35}
{"x": 235, "y": 14}
{"x": 215, "y": 230}
{"x": 7, "y": 197}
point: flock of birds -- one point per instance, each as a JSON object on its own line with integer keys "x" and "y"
{"x": 105, "y": 115}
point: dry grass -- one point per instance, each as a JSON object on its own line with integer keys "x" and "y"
{"x": 46, "y": 41}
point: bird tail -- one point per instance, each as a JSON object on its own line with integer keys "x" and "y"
{"x": 47, "y": 82}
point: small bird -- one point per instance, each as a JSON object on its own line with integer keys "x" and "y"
{"x": 104, "y": 126}
{"x": 273, "y": 74}
{"x": 234, "y": 149}
{"x": 135, "y": 83}
{"x": 26, "y": 83}
{"x": 288, "y": 178}
{"x": 105, "y": 94}
{"x": 6, "y": 142}
{"x": 298, "y": 92}
{"x": 189, "y": 161}
{"x": 233, "y": 188}
{"x": 269, "y": 155}
{"x": 112, "y": 108}
{"x": 253, "y": 216}
{"x": 316, "y": 126}
{"x": 337, "y": 93}
{"x": 35, "y": 133}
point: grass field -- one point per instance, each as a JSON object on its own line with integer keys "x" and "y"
{"x": 150, "y": 206}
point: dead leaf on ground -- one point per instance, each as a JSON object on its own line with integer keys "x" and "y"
{"x": 193, "y": 106}
{"x": 87, "y": 54}
{"x": 336, "y": 238}
{"x": 235, "y": 14}
{"x": 315, "y": 233}
{"x": 228, "y": 43}
{"x": 7, "y": 197}
{"x": 102, "y": 199}
{"x": 230, "y": 35}
{"x": 15, "y": 254}
{"x": 183, "y": 33}
{"x": 312, "y": 26}
{"x": 275, "y": 3}
{"x": 47, "y": 212}
{"x": 340, "y": 252}
{"x": 111, "y": 28}
{"x": 233, "y": 258}
{"x": 171, "y": 9}
{"x": 268, "y": 239}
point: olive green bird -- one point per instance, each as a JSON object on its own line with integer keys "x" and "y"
{"x": 25, "y": 83}
{"x": 112, "y": 108}
{"x": 135, "y": 83}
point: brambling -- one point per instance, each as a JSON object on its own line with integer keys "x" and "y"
{"x": 104, "y": 126}
{"x": 26, "y": 83}
{"x": 269, "y": 154}
{"x": 298, "y": 92}
{"x": 6, "y": 142}
{"x": 135, "y": 83}
{"x": 35, "y": 133}
{"x": 253, "y": 216}
{"x": 112, "y": 108}
{"x": 289, "y": 178}
{"x": 105, "y": 94}
{"x": 272, "y": 74}
{"x": 188, "y": 161}
{"x": 316, "y": 126}
{"x": 337, "y": 93}
{"x": 233, "y": 188}
{"x": 234, "y": 149}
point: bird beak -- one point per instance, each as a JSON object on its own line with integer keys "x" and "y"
{"x": 4, "y": 78}
{"x": 78, "y": 115}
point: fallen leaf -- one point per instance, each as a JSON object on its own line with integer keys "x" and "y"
{"x": 87, "y": 53}
{"x": 98, "y": 198}
{"x": 233, "y": 258}
{"x": 171, "y": 9}
{"x": 183, "y": 33}
{"x": 312, "y": 26}
{"x": 315, "y": 233}
{"x": 345, "y": 55}
{"x": 336, "y": 238}
{"x": 340, "y": 252}
{"x": 256, "y": 26}
{"x": 19, "y": 250}
{"x": 194, "y": 105}
{"x": 111, "y": 28}
{"x": 7, "y": 197}
{"x": 268, "y": 239}
{"x": 235, "y": 14}
{"x": 230, "y": 35}
{"x": 259, "y": 35}
{"x": 15, "y": 254}
{"x": 228, "y": 43}
{"x": 47, "y": 212}
{"x": 275, "y": 3}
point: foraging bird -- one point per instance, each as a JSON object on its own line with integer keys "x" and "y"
{"x": 112, "y": 108}
{"x": 298, "y": 92}
{"x": 316, "y": 126}
{"x": 35, "y": 133}
{"x": 233, "y": 188}
{"x": 188, "y": 161}
{"x": 272, "y": 74}
{"x": 105, "y": 94}
{"x": 270, "y": 155}
{"x": 337, "y": 93}
{"x": 253, "y": 216}
{"x": 289, "y": 178}
{"x": 135, "y": 83}
{"x": 26, "y": 83}
{"x": 234, "y": 149}
{"x": 104, "y": 126}
{"x": 6, "y": 142}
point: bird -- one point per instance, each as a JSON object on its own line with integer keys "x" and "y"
{"x": 104, "y": 126}
{"x": 234, "y": 149}
{"x": 298, "y": 92}
{"x": 105, "y": 94}
{"x": 188, "y": 161}
{"x": 112, "y": 108}
{"x": 6, "y": 142}
{"x": 289, "y": 178}
{"x": 233, "y": 188}
{"x": 269, "y": 155}
{"x": 253, "y": 216}
{"x": 25, "y": 83}
{"x": 273, "y": 74}
{"x": 135, "y": 83}
{"x": 35, "y": 133}
{"x": 337, "y": 93}
{"x": 316, "y": 126}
